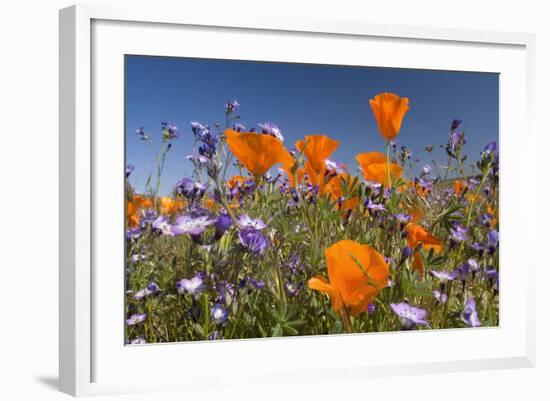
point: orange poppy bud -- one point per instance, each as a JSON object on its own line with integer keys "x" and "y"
{"x": 389, "y": 110}
{"x": 460, "y": 186}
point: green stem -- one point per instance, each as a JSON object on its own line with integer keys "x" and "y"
{"x": 206, "y": 316}
{"x": 388, "y": 163}
{"x": 470, "y": 209}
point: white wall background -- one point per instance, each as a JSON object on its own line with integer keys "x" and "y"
{"x": 29, "y": 195}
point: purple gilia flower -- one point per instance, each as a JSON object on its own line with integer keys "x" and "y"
{"x": 136, "y": 319}
{"x": 231, "y": 105}
{"x": 454, "y": 125}
{"x": 373, "y": 185}
{"x": 407, "y": 252}
{"x": 239, "y": 127}
{"x": 463, "y": 271}
{"x": 225, "y": 291}
{"x": 489, "y": 149}
{"x": 137, "y": 257}
{"x": 444, "y": 276}
{"x": 219, "y": 314}
{"x": 152, "y": 288}
{"x": 161, "y": 224}
{"x": 492, "y": 274}
{"x": 271, "y": 129}
{"x": 129, "y": 169}
{"x": 469, "y": 314}
{"x": 257, "y": 284}
{"x": 477, "y": 247}
{"x": 138, "y": 341}
{"x": 142, "y": 134}
{"x": 373, "y": 207}
{"x": 215, "y": 336}
{"x": 194, "y": 286}
{"x": 292, "y": 289}
{"x": 190, "y": 189}
{"x": 440, "y": 297}
{"x": 169, "y": 130}
{"x": 149, "y": 216}
{"x": 293, "y": 264}
{"x": 371, "y": 308}
{"x": 492, "y": 238}
{"x": 459, "y": 233}
{"x": 253, "y": 240}
{"x": 187, "y": 224}
{"x": 425, "y": 183}
{"x": 197, "y": 128}
{"x": 409, "y": 315}
{"x": 454, "y": 138}
{"x": 223, "y": 223}
{"x": 133, "y": 233}
{"x": 486, "y": 219}
{"x": 242, "y": 283}
{"x": 197, "y": 158}
{"x": 402, "y": 219}
{"x": 246, "y": 222}
{"x": 473, "y": 265}
{"x": 335, "y": 167}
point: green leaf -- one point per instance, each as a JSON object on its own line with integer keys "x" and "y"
{"x": 277, "y": 331}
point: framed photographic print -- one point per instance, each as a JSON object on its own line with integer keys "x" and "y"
{"x": 312, "y": 191}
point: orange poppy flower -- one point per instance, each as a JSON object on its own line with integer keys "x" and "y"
{"x": 473, "y": 198}
{"x": 335, "y": 189}
{"x": 356, "y": 275}
{"x": 133, "y": 207}
{"x": 420, "y": 190}
{"x": 460, "y": 186}
{"x": 373, "y": 165}
{"x": 143, "y": 202}
{"x": 210, "y": 204}
{"x": 493, "y": 213}
{"x": 257, "y": 152}
{"x": 132, "y": 213}
{"x": 237, "y": 181}
{"x": 417, "y": 215}
{"x": 389, "y": 110}
{"x": 419, "y": 236}
{"x": 317, "y": 148}
{"x": 170, "y": 206}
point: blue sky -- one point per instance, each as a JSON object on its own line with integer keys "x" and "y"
{"x": 301, "y": 99}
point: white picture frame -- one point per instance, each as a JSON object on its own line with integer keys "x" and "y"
{"x": 84, "y": 158}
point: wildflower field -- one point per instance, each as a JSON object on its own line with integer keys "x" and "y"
{"x": 267, "y": 238}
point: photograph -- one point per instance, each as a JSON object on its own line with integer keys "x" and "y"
{"x": 274, "y": 199}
